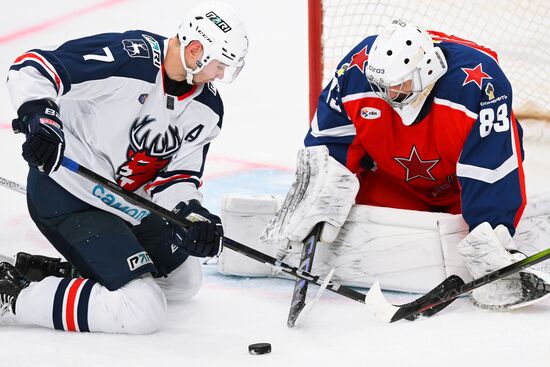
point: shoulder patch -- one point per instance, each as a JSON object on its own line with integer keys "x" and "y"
{"x": 155, "y": 48}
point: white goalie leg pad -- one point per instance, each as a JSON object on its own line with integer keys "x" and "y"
{"x": 323, "y": 191}
{"x": 243, "y": 218}
{"x": 483, "y": 253}
{"x": 533, "y": 230}
{"x": 400, "y": 248}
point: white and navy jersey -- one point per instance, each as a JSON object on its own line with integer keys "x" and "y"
{"x": 462, "y": 154}
{"x": 119, "y": 121}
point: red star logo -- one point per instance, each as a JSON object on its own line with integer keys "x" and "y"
{"x": 359, "y": 60}
{"x": 416, "y": 167}
{"x": 475, "y": 75}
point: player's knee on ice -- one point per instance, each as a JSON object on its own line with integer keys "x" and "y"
{"x": 138, "y": 307}
{"x": 182, "y": 283}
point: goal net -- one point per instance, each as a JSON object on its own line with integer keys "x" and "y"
{"x": 518, "y": 30}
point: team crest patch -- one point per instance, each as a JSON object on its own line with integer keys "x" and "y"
{"x": 136, "y": 48}
{"x": 142, "y": 98}
{"x": 370, "y": 113}
{"x": 490, "y": 91}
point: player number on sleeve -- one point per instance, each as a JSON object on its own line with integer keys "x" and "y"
{"x": 106, "y": 57}
{"x": 488, "y": 121}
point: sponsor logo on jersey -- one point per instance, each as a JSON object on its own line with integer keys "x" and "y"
{"x": 155, "y": 48}
{"x": 495, "y": 100}
{"x": 370, "y": 113}
{"x": 137, "y": 213}
{"x": 174, "y": 248}
{"x": 490, "y": 91}
{"x": 219, "y": 22}
{"x": 142, "y": 98}
{"x": 148, "y": 153}
{"x": 136, "y": 48}
{"x": 138, "y": 260}
{"x": 475, "y": 75}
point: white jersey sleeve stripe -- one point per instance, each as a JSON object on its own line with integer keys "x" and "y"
{"x": 456, "y": 106}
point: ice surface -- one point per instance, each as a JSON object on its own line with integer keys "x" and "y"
{"x": 266, "y": 119}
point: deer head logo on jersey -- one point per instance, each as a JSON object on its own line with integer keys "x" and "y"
{"x": 147, "y": 155}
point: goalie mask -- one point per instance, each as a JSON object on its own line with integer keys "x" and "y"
{"x": 222, "y": 36}
{"x": 403, "y": 63}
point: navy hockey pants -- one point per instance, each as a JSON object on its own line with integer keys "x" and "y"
{"x": 101, "y": 246}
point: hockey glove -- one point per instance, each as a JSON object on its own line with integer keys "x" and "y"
{"x": 202, "y": 238}
{"x": 45, "y": 143}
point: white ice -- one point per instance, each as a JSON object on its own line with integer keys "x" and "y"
{"x": 266, "y": 119}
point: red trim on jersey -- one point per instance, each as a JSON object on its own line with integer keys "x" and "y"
{"x": 185, "y": 95}
{"x": 71, "y": 300}
{"x": 521, "y": 173}
{"x": 440, "y": 36}
{"x": 173, "y": 178}
{"x": 31, "y": 55}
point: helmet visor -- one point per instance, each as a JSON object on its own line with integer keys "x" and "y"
{"x": 216, "y": 70}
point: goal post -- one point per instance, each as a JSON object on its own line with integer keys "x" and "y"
{"x": 518, "y": 30}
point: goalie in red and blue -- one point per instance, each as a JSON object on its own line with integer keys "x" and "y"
{"x": 425, "y": 121}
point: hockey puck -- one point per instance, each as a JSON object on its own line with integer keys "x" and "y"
{"x": 259, "y": 348}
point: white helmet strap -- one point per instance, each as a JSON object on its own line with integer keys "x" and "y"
{"x": 189, "y": 73}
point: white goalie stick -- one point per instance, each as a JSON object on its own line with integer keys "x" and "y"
{"x": 446, "y": 292}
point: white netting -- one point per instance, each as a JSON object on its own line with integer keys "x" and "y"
{"x": 518, "y": 30}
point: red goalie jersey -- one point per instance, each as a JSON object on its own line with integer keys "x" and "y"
{"x": 461, "y": 154}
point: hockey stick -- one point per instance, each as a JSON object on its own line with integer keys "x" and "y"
{"x": 300, "y": 286}
{"x": 387, "y": 312}
{"x": 227, "y": 242}
{"x": 13, "y": 185}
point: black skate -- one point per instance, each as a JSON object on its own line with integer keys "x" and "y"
{"x": 11, "y": 284}
{"x": 37, "y": 267}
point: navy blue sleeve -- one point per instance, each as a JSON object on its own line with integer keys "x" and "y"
{"x": 490, "y": 168}
{"x": 331, "y": 125}
{"x": 133, "y": 54}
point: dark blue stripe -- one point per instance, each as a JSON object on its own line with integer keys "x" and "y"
{"x": 163, "y": 187}
{"x": 57, "y": 312}
{"x": 168, "y": 174}
{"x": 82, "y": 309}
{"x": 35, "y": 64}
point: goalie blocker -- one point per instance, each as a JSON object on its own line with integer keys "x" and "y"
{"x": 405, "y": 250}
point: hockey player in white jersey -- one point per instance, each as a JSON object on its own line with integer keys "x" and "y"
{"x": 141, "y": 110}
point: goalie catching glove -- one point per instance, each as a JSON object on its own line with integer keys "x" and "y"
{"x": 484, "y": 251}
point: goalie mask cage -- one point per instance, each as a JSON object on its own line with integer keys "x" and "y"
{"x": 518, "y": 30}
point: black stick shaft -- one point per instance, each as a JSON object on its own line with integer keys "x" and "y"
{"x": 227, "y": 242}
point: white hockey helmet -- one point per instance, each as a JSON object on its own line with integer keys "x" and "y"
{"x": 403, "y": 52}
{"x": 222, "y": 35}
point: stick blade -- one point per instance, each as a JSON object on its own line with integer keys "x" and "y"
{"x": 380, "y": 307}
{"x": 302, "y": 316}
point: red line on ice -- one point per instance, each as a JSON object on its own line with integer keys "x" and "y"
{"x": 57, "y": 20}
